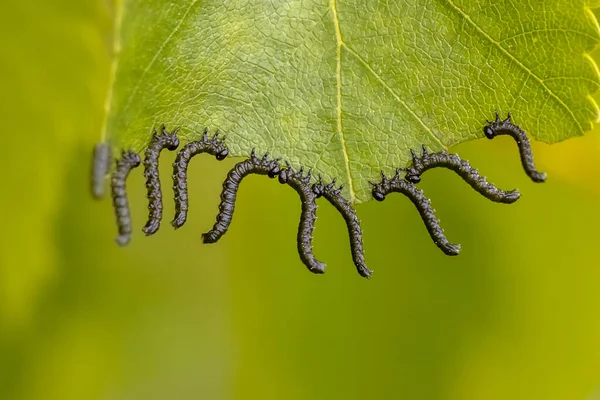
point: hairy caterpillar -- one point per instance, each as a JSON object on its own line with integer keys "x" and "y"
{"x": 506, "y": 127}
{"x": 128, "y": 161}
{"x": 462, "y": 169}
{"x": 422, "y": 203}
{"x": 100, "y": 167}
{"x": 252, "y": 165}
{"x": 213, "y": 146}
{"x": 301, "y": 184}
{"x": 168, "y": 141}
{"x": 332, "y": 195}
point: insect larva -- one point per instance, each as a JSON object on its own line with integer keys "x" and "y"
{"x": 100, "y": 167}
{"x": 308, "y": 217}
{"x": 128, "y": 161}
{"x": 333, "y": 196}
{"x": 213, "y": 146}
{"x": 168, "y": 141}
{"x": 506, "y": 127}
{"x": 422, "y": 203}
{"x": 252, "y": 165}
{"x": 462, "y": 169}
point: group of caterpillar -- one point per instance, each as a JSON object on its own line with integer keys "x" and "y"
{"x": 463, "y": 169}
{"x": 298, "y": 181}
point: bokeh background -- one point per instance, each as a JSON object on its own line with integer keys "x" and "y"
{"x": 515, "y": 316}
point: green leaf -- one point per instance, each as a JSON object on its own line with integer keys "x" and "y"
{"x": 348, "y": 87}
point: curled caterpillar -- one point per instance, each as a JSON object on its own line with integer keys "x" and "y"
{"x": 506, "y": 127}
{"x": 100, "y": 167}
{"x": 128, "y": 161}
{"x": 462, "y": 169}
{"x": 213, "y": 146}
{"x": 422, "y": 203}
{"x": 301, "y": 184}
{"x": 168, "y": 141}
{"x": 332, "y": 195}
{"x": 252, "y": 165}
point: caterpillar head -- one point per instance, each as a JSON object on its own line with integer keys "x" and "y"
{"x": 131, "y": 158}
{"x": 377, "y": 195}
{"x": 222, "y": 153}
{"x": 491, "y": 129}
{"x": 412, "y": 178}
{"x": 170, "y": 139}
{"x": 173, "y": 143}
{"x": 488, "y": 132}
{"x": 377, "y": 191}
{"x": 218, "y": 144}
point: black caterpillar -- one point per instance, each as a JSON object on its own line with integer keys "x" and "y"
{"x": 213, "y": 146}
{"x": 463, "y": 169}
{"x": 252, "y": 165}
{"x": 301, "y": 184}
{"x": 168, "y": 141}
{"x": 128, "y": 161}
{"x": 381, "y": 190}
{"x": 333, "y": 196}
{"x": 506, "y": 127}
{"x": 100, "y": 167}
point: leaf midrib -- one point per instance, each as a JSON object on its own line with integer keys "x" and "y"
{"x": 339, "y": 127}
{"x": 339, "y": 44}
{"x": 482, "y": 33}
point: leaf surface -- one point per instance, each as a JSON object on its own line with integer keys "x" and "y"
{"x": 348, "y": 87}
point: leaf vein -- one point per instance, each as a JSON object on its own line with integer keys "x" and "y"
{"x": 158, "y": 52}
{"x": 513, "y": 59}
{"x": 339, "y": 43}
{"x": 393, "y": 93}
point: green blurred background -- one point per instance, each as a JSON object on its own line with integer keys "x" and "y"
{"x": 515, "y": 316}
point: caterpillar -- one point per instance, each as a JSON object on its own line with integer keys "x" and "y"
{"x": 100, "y": 167}
{"x": 252, "y": 165}
{"x": 213, "y": 146}
{"x": 128, "y": 161}
{"x": 506, "y": 127}
{"x": 423, "y": 205}
{"x": 332, "y": 195}
{"x": 168, "y": 141}
{"x": 463, "y": 169}
{"x": 301, "y": 184}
